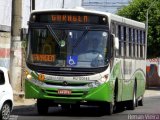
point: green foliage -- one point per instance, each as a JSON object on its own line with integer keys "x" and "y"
{"x": 137, "y": 10}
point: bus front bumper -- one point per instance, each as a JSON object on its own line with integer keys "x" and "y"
{"x": 101, "y": 93}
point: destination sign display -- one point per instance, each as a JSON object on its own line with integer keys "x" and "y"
{"x": 69, "y": 18}
{"x": 43, "y": 57}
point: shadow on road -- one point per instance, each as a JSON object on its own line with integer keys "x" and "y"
{"x": 84, "y": 111}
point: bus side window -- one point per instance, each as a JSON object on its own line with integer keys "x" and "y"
{"x": 119, "y": 36}
{"x": 125, "y": 42}
{"x": 133, "y": 42}
{"x": 138, "y": 40}
{"x": 141, "y": 44}
{"x": 113, "y": 31}
{"x": 113, "y": 28}
{"x": 130, "y": 42}
{"x": 144, "y": 44}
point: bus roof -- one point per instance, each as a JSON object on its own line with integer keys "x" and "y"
{"x": 112, "y": 17}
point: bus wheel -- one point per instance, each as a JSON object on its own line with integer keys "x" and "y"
{"x": 107, "y": 108}
{"x": 132, "y": 103}
{"x": 41, "y": 107}
{"x": 140, "y": 102}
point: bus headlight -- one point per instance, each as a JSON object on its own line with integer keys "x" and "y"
{"x": 41, "y": 77}
{"x": 29, "y": 77}
{"x": 104, "y": 79}
{"x": 94, "y": 84}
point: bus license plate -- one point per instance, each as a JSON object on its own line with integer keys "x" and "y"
{"x": 64, "y": 92}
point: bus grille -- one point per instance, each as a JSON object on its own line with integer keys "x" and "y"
{"x": 68, "y": 84}
{"x": 68, "y": 73}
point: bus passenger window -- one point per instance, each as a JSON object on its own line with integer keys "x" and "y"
{"x": 130, "y": 42}
{"x": 138, "y": 40}
{"x": 134, "y": 43}
{"x": 141, "y": 51}
{"x": 125, "y": 42}
{"x": 120, "y": 40}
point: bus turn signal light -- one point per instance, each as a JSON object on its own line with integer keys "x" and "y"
{"x": 41, "y": 77}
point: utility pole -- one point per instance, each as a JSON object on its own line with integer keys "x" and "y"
{"x": 15, "y": 70}
{"x": 146, "y": 35}
{"x": 32, "y": 4}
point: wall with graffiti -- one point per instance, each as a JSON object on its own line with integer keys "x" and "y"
{"x": 5, "y": 49}
{"x": 153, "y": 72}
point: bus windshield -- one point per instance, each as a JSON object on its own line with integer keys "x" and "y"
{"x": 66, "y": 47}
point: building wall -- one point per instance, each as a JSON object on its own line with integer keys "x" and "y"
{"x": 5, "y": 49}
{"x": 153, "y": 72}
{"x": 5, "y": 15}
{"x": 5, "y": 28}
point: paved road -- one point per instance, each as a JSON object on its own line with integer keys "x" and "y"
{"x": 150, "y": 111}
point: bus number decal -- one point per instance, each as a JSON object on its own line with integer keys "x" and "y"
{"x": 80, "y": 78}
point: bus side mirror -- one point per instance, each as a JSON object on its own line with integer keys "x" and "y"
{"x": 115, "y": 41}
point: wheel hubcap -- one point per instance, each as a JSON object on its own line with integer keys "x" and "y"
{"x": 5, "y": 112}
{"x": 134, "y": 99}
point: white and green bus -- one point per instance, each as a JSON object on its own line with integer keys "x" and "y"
{"x": 82, "y": 57}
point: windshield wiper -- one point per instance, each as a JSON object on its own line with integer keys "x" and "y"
{"x": 53, "y": 34}
{"x": 80, "y": 38}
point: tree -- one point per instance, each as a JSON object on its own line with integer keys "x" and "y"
{"x": 136, "y": 10}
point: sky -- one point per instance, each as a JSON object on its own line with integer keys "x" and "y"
{"x": 104, "y": 5}
{"x": 101, "y": 5}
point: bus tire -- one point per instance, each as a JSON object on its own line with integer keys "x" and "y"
{"x": 118, "y": 106}
{"x": 141, "y": 102}
{"x": 132, "y": 103}
{"x": 41, "y": 107}
{"x": 107, "y": 108}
